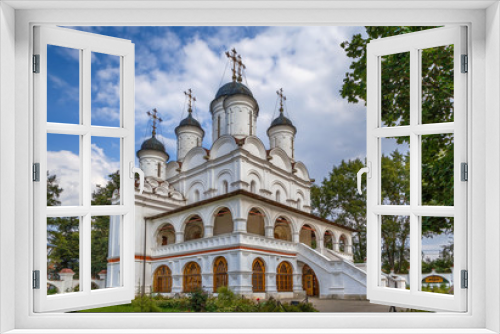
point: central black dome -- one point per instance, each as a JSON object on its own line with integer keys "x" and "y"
{"x": 233, "y": 88}
{"x": 189, "y": 120}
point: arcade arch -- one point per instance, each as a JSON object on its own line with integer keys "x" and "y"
{"x": 223, "y": 221}
{"x": 282, "y": 229}
{"x": 255, "y": 222}
{"x": 194, "y": 228}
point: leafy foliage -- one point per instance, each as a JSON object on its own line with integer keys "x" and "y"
{"x": 336, "y": 198}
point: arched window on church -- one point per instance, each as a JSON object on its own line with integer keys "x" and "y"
{"x": 225, "y": 187}
{"x": 282, "y": 229}
{"x": 253, "y": 187}
{"x": 255, "y": 222}
{"x": 328, "y": 240}
{"x": 278, "y": 196}
{"x": 194, "y": 229}
{"x": 166, "y": 235}
{"x": 220, "y": 273}
{"x": 342, "y": 243}
{"x": 284, "y": 277}
{"x": 299, "y": 204}
{"x": 162, "y": 279}
{"x": 307, "y": 236}
{"x": 258, "y": 276}
{"x": 159, "y": 169}
{"x": 223, "y": 222}
{"x": 250, "y": 123}
{"x": 196, "y": 195}
{"x": 218, "y": 127}
{"x": 192, "y": 277}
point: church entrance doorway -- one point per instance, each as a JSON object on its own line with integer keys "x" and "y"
{"x": 309, "y": 281}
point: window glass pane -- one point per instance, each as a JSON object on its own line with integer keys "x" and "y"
{"x": 63, "y": 85}
{"x": 395, "y": 171}
{"x": 63, "y": 255}
{"x": 437, "y": 170}
{"x": 437, "y": 255}
{"x": 437, "y": 84}
{"x": 395, "y": 94}
{"x": 63, "y": 170}
{"x": 105, "y": 170}
{"x": 105, "y": 89}
{"x": 105, "y": 252}
{"x": 395, "y": 252}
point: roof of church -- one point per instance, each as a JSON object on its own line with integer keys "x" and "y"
{"x": 233, "y": 88}
{"x": 254, "y": 196}
{"x": 282, "y": 120}
{"x": 191, "y": 121}
{"x": 153, "y": 144}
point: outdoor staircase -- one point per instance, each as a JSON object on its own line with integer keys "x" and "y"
{"x": 329, "y": 264}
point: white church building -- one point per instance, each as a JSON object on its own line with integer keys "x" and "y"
{"x": 236, "y": 214}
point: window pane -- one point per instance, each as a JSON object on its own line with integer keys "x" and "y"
{"x": 105, "y": 171}
{"x": 105, "y": 252}
{"x": 395, "y": 171}
{"x": 63, "y": 170}
{"x": 437, "y": 170}
{"x": 437, "y": 255}
{"x": 395, "y": 94}
{"x": 437, "y": 84}
{"x": 63, "y": 255}
{"x": 63, "y": 85}
{"x": 395, "y": 254}
{"x": 105, "y": 89}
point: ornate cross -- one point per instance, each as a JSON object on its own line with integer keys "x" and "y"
{"x": 155, "y": 118}
{"x": 240, "y": 66}
{"x": 282, "y": 98}
{"x": 232, "y": 55}
{"x": 191, "y": 99}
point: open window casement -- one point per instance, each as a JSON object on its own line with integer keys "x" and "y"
{"x": 83, "y": 250}
{"x": 421, "y": 73}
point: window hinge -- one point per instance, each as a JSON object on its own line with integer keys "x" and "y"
{"x": 465, "y": 279}
{"x": 36, "y": 172}
{"x": 36, "y": 279}
{"x": 464, "y": 171}
{"x": 36, "y": 63}
{"x": 465, "y": 63}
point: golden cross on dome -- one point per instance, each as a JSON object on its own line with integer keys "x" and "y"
{"x": 282, "y": 98}
{"x": 232, "y": 55}
{"x": 191, "y": 99}
{"x": 240, "y": 66}
{"x": 154, "y": 116}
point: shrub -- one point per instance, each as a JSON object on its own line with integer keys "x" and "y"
{"x": 197, "y": 300}
{"x": 144, "y": 304}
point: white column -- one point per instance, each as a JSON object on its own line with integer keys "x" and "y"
{"x": 179, "y": 237}
{"x": 269, "y": 231}
{"x": 209, "y": 231}
{"x": 239, "y": 224}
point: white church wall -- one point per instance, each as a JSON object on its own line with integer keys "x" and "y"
{"x": 222, "y": 146}
{"x": 282, "y": 137}
{"x": 240, "y": 115}
{"x": 255, "y": 147}
{"x": 194, "y": 158}
{"x": 188, "y": 137}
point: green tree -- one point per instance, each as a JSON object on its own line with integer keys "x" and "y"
{"x": 100, "y": 224}
{"x": 337, "y": 198}
{"x": 63, "y": 237}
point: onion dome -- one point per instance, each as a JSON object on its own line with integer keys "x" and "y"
{"x": 153, "y": 144}
{"x": 233, "y": 88}
{"x": 190, "y": 121}
{"x": 282, "y": 120}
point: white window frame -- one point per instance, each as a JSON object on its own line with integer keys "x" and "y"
{"x": 413, "y": 44}
{"x": 484, "y": 153}
{"x": 85, "y": 43}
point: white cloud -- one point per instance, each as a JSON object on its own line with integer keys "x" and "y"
{"x": 66, "y": 166}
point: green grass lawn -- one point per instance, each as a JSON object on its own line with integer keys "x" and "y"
{"x": 125, "y": 308}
